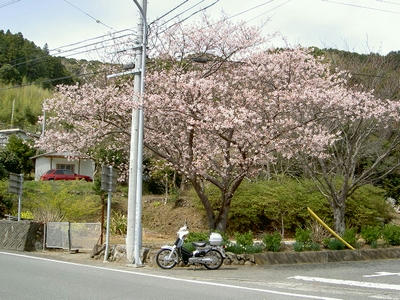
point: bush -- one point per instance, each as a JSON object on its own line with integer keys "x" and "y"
{"x": 303, "y": 235}
{"x": 371, "y": 234}
{"x": 239, "y": 249}
{"x": 298, "y": 246}
{"x": 266, "y": 205}
{"x": 304, "y": 241}
{"x": 349, "y": 236}
{"x": 334, "y": 244}
{"x": 244, "y": 239}
{"x": 253, "y": 249}
{"x": 235, "y": 248}
{"x": 391, "y": 234}
{"x": 272, "y": 242}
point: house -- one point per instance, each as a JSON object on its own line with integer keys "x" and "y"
{"x": 6, "y": 133}
{"x": 54, "y": 160}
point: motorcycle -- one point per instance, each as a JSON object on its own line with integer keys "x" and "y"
{"x": 209, "y": 254}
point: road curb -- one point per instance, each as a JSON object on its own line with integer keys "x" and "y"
{"x": 273, "y": 258}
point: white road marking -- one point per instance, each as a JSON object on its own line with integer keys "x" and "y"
{"x": 372, "y": 285}
{"x": 176, "y": 279}
{"x": 379, "y": 274}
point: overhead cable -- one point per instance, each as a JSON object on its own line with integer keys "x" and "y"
{"x": 7, "y": 3}
{"x": 196, "y": 12}
{"x": 181, "y": 13}
{"x": 86, "y": 13}
{"x": 43, "y": 57}
{"x": 362, "y": 6}
{"x": 168, "y": 12}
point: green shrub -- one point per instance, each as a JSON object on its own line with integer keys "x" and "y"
{"x": 303, "y": 235}
{"x": 244, "y": 239}
{"x": 235, "y": 248}
{"x": 239, "y": 249}
{"x": 272, "y": 242}
{"x": 367, "y": 206}
{"x": 371, "y": 234}
{"x": 304, "y": 241}
{"x": 350, "y": 236}
{"x": 253, "y": 249}
{"x": 298, "y": 246}
{"x": 391, "y": 234}
{"x": 334, "y": 244}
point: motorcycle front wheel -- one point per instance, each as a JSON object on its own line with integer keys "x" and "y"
{"x": 216, "y": 259}
{"x": 163, "y": 261}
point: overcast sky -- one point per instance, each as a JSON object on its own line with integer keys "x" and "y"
{"x": 354, "y": 25}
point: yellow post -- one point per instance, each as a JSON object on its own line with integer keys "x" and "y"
{"x": 329, "y": 229}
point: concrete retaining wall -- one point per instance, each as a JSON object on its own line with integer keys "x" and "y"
{"x": 21, "y": 236}
{"x": 272, "y": 258}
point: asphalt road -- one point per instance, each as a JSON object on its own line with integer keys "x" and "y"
{"x": 30, "y": 277}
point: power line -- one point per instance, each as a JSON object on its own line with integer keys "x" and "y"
{"x": 73, "y": 44}
{"x": 95, "y": 49}
{"x": 168, "y": 12}
{"x": 362, "y": 6}
{"x": 267, "y": 11}
{"x": 43, "y": 57}
{"x": 52, "y": 80}
{"x": 8, "y": 3}
{"x": 388, "y": 2}
{"x": 89, "y": 39}
{"x": 90, "y": 16}
{"x": 181, "y": 13}
{"x": 196, "y": 12}
{"x": 225, "y": 19}
{"x": 250, "y": 9}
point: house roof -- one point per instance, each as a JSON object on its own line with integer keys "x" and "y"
{"x": 59, "y": 154}
{"x": 6, "y": 133}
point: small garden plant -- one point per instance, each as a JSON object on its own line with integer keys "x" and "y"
{"x": 304, "y": 241}
{"x": 244, "y": 244}
{"x": 272, "y": 242}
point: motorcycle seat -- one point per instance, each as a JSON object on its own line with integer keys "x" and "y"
{"x": 199, "y": 244}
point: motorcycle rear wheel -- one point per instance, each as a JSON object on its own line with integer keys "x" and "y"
{"x": 216, "y": 259}
{"x": 162, "y": 259}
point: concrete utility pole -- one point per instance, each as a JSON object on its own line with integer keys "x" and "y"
{"x": 134, "y": 228}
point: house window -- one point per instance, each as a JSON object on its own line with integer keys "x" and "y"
{"x": 70, "y": 167}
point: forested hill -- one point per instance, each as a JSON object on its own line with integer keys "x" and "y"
{"x": 371, "y": 71}
{"x": 22, "y": 61}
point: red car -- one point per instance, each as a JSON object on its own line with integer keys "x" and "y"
{"x": 59, "y": 174}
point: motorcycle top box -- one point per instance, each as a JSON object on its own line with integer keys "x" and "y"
{"x": 215, "y": 239}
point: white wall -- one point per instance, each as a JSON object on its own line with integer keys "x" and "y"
{"x": 82, "y": 166}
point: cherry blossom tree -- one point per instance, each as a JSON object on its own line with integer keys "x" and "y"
{"x": 218, "y": 106}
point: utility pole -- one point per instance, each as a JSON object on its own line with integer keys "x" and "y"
{"x": 134, "y": 228}
{"x": 12, "y": 113}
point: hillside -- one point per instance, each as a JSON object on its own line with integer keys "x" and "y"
{"x": 22, "y": 62}
{"x": 372, "y": 71}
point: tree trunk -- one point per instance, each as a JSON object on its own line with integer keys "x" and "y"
{"x": 339, "y": 219}
{"x": 222, "y": 218}
{"x": 206, "y": 203}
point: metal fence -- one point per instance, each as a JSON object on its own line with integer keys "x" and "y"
{"x": 65, "y": 235}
